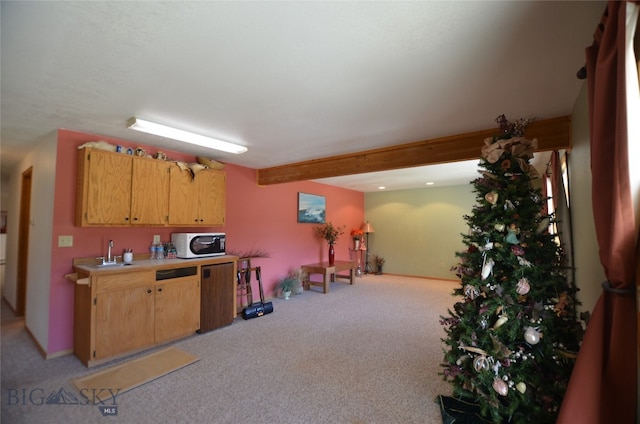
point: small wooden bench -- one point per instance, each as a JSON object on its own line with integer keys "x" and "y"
{"x": 329, "y": 273}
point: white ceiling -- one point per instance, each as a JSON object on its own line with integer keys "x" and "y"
{"x": 291, "y": 81}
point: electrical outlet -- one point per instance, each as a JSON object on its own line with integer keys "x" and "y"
{"x": 156, "y": 239}
{"x": 65, "y": 241}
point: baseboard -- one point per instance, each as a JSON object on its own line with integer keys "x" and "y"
{"x": 42, "y": 351}
{"x": 6, "y": 301}
{"x": 451, "y": 280}
{"x": 59, "y": 354}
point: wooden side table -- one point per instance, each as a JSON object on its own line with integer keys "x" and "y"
{"x": 328, "y": 272}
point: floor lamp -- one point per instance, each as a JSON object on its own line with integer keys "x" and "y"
{"x": 367, "y": 228}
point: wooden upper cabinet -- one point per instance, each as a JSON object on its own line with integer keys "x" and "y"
{"x": 116, "y": 189}
{"x": 199, "y": 200}
{"x": 150, "y": 192}
{"x": 183, "y": 197}
{"x": 212, "y": 195}
{"x": 104, "y": 188}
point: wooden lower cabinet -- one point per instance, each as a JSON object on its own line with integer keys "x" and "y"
{"x": 125, "y": 310}
{"x": 124, "y": 320}
{"x": 177, "y": 308}
{"x": 131, "y": 311}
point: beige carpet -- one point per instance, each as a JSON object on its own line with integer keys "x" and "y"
{"x": 111, "y": 382}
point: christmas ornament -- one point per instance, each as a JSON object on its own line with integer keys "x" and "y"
{"x": 487, "y": 268}
{"x": 484, "y": 324}
{"x": 544, "y": 224}
{"x": 511, "y": 238}
{"x": 491, "y": 197}
{"x": 500, "y": 386}
{"x": 517, "y": 250}
{"x": 512, "y": 235}
{"x": 499, "y": 349}
{"x": 499, "y": 227}
{"x": 521, "y": 387}
{"x": 563, "y": 302}
{"x": 481, "y": 363}
{"x": 471, "y": 292}
{"x": 508, "y": 205}
{"x": 523, "y": 286}
{"x": 500, "y": 322}
{"x": 523, "y": 262}
{"x": 532, "y": 335}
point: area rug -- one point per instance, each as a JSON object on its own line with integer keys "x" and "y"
{"x": 106, "y": 384}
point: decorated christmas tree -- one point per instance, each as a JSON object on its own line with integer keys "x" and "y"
{"x": 513, "y": 335}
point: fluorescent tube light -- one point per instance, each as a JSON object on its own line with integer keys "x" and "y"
{"x": 185, "y": 136}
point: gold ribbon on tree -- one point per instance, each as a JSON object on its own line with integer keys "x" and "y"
{"x": 521, "y": 148}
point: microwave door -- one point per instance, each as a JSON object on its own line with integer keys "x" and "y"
{"x": 203, "y": 245}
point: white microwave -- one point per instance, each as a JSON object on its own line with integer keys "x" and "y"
{"x": 198, "y": 245}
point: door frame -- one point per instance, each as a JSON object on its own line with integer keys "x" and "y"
{"x": 23, "y": 241}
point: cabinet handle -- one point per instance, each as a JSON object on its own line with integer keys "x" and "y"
{"x": 135, "y": 218}
{"x": 160, "y": 289}
{"x": 149, "y": 291}
{"x": 126, "y": 218}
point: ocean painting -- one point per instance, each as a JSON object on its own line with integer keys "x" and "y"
{"x": 311, "y": 208}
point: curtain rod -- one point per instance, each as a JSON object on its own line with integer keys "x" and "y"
{"x": 582, "y": 72}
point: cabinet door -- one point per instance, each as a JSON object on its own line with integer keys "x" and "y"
{"x": 124, "y": 320}
{"x": 177, "y": 308}
{"x": 108, "y": 192}
{"x": 150, "y": 192}
{"x": 183, "y": 198}
{"x": 212, "y": 195}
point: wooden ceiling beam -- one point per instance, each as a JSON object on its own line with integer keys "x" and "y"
{"x": 552, "y": 134}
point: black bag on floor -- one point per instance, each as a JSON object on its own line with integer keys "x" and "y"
{"x": 259, "y": 308}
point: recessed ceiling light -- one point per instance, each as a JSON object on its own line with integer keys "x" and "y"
{"x": 381, "y": 188}
{"x": 184, "y": 136}
{"x": 430, "y": 183}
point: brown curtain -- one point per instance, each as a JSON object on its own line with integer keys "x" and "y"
{"x": 603, "y": 387}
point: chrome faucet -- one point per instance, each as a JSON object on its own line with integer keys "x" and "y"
{"x": 109, "y": 260}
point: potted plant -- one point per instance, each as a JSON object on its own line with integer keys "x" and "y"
{"x": 330, "y": 233}
{"x": 379, "y": 261}
{"x": 357, "y": 234}
{"x": 287, "y": 284}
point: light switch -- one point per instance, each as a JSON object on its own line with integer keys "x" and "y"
{"x": 65, "y": 241}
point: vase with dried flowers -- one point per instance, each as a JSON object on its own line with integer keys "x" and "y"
{"x": 330, "y": 233}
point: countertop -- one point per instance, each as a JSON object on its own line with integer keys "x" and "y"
{"x": 88, "y": 265}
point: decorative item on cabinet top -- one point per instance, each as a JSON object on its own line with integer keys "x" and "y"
{"x": 116, "y": 189}
{"x": 193, "y": 167}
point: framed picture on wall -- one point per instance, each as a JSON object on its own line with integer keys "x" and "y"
{"x": 311, "y": 208}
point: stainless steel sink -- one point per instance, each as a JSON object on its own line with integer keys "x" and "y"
{"x": 111, "y": 265}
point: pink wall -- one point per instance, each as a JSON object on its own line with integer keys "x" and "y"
{"x": 262, "y": 218}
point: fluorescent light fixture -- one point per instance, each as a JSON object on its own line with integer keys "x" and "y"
{"x": 185, "y": 136}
